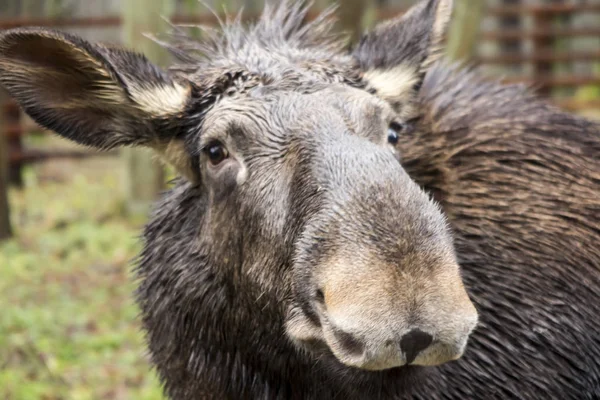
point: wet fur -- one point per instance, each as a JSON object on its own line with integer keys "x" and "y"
{"x": 518, "y": 179}
{"x": 520, "y": 183}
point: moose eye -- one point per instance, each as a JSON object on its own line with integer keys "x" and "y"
{"x": 216, "y": 153}
{"x": 394, "y": 132}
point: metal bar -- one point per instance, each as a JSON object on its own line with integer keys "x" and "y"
{"x": 546, "y": 56}
{"x": 115, "y": 20}
{"x": 549, "y": 81}
{"x": 31, "y": 156}
{"x": 386, "y": 12}
{"x": 577, "y": 105}
{"x": 544, "y": 9}
{"x": 540, "y": 33}
{"x": 16, "y": 130}
{"x": 87, "y": 22}
{"x": 13, "y": 131}
{"x": 542, "y": 68}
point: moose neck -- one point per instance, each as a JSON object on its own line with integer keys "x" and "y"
{"x": 216, "y": 323}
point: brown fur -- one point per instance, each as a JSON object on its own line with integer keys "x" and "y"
{"x": 306, "y": 263}
{"x": 520, "y": 182}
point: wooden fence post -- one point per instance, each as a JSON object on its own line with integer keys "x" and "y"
{"x": 354, "y": 15}
{"x": 464, "y": 31}
{"x": 544, "y": 68}
{"x": 145, "y": 174}
{"x": 13, "y": 144}
{"x": 193, "y": 8}
{"x": 512, "y": 22}
{"x": 5, "y": 228}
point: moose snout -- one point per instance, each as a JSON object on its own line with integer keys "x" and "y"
{"x": 372, "y": 324}
{"x": 380, "y": 351}
{"x": 378, "y": 280}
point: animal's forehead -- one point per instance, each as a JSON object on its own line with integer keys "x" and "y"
{"x": 229, "y": 77}
{"x": 316, "y": 105}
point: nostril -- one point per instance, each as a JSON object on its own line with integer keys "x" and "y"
{"x": 319, "y": 296}
{"x": 413, "y": 343}
{"x": 350, "y": 344}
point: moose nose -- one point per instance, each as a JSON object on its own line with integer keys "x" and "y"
{"x": 354, "y": 351}
{"x": 413, "y": 343}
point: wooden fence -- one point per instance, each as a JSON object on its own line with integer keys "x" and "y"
{"x": 542, "y": 58}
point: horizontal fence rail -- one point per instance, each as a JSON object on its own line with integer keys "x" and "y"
{"x": 32, "y": 155}
{"x": 519, "y": 34}
{"x": 543, "y": 9}
{"x": 542, "y": 56}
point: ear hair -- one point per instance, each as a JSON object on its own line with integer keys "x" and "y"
{"x": 397, "y": 86}
{"x": 97, "y": 95}
{"x": 397, "y": 54}
{"x": 443, "y": 17}
{"x": 150, "y": 89}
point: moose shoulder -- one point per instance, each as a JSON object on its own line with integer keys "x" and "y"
{"x": 301, "y": 255}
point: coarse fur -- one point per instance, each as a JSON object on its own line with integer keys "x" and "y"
{"x": 254, "y": 271}
{"x": 520, "y": 182}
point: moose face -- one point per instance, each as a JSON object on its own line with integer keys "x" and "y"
{"x": 293, "y": 149}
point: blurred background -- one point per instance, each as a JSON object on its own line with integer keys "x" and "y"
{"x": 70, "y": 217}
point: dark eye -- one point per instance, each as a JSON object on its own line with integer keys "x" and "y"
{"x": 394, "y": 132}
{"x": 216, "y": 153}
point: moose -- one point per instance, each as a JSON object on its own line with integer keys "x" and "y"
{"x": 359, "y": 223}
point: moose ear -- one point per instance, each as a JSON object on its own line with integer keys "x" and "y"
{"x": 94, "y": 95}
{"x": 396, "y": 55}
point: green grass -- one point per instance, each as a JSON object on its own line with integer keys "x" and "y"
{"x": 68, "y": 324}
